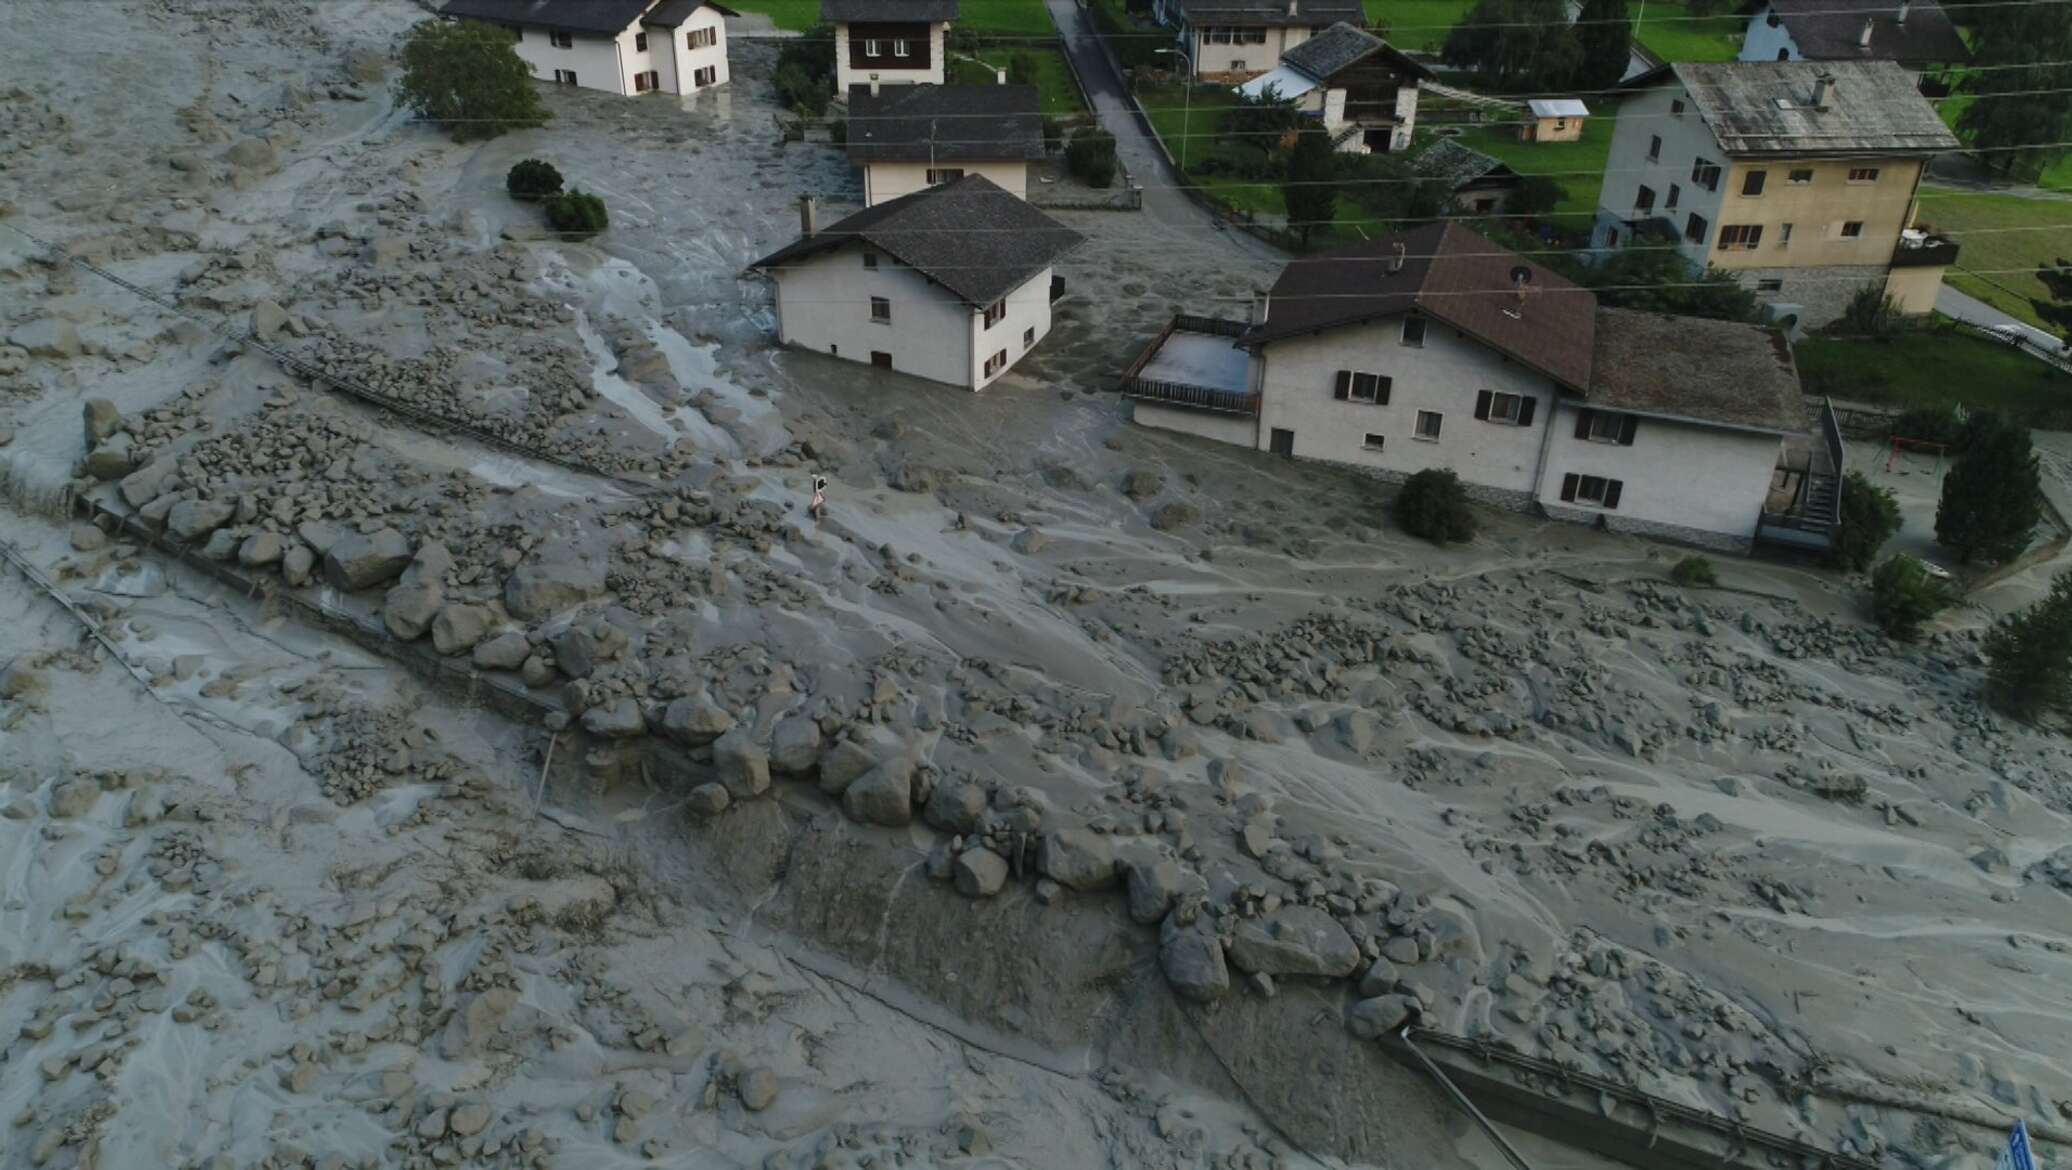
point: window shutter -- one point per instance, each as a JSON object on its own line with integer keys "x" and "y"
{"x": 1583, "y": 423}
{"x": 1344, "y": 387}
{"x": 1626, "y": 430}
{"x": 1381, "y": 390}
{"x": 1526, "y": 405}
{"x": 1482, "y": 404}
{"x": 1568, "y": 484}
{"x": 1611, "y": 493}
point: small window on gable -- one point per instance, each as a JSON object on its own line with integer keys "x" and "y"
{"x": 1655, "y": 148}
{"x": 1863, "y": 174}
{"x": 871, "y": 49}
{"x": 870, "y": 259}
{"x": 1799, "y": 176}
{"x": 1413, "y": 330}
{"x": 1676, "y": 108}
{"x": 881, "y": 310}
{"x": 640, "y": 42}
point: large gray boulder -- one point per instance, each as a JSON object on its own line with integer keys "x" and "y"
{"x": 411, "y": 606}
{"x": 1155, "y": 884}
{"x": 506, "y": 651}
{"x": 47, "y": 337}
{"x": 955, "y": 806}
{"x": 361, "y": 560}
{"x": 458, "y": 628}
{"x": 192, "y": 519}
{"x": 742, "y": 764}
{"x": 1380, "y": 1015}
{"x": 695, "y": 720}
{"x": 979, "y": 873}
{"x": 884, "y": 795}
{"x": 261, "y": 549}
{"x": 1294, "y": 940}
{"x": 113, "y": 458}
{"x": 100, "y": 419}
{"x": 558, "y": 575}
{"x": 841, "y": 764}
{"x": 298, "y": 564}
{"x": 795, "y": 745}
{"x": 1077, "y": 858}
{"x": 618, "y": 719}
{"x": 1192, "y": 958}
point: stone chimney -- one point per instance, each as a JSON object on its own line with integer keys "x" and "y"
{"x": 1401, "y": 253}
{"x": 999, "y": 77}
{"x": 1863, "y": 39}
{"x": 1293, "y": 5}
{"x": 874, "y": 85}
{"x": 1824, "y": 85}
{"x": 1900, "y": 18}
{"x": 809, "y": 217}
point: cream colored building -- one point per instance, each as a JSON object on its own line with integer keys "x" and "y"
{"x": 1237, "y": 39}
{"x": 619, "y": 46}
{"x": 889, "y": 42}
{"x": 1801, "y": 177}
{"x": 952, "y": 283}
{"x": 910, "y": 137}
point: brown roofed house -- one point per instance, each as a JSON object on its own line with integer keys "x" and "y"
{"x": 888, "y": 42}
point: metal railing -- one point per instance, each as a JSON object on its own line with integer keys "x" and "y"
{"x": 1214, "y": 326}
{"x": 1197, "y": 397}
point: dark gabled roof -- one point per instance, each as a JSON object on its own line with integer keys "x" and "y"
{"x": 1459, "y": 166}
{"x": 599, "y": 17}
{"x": 971, "y": 237}
{"x": 1343, "y": 46}
{"x": 672, "y": 13}
{"x": 1832, "y": 30}
{"x": 1450, "y": 274}
{"x": 946, "y": 123}
{"x": 1269, "y": 13}
{"x": 888, "y": 11}
{"x": 1721, "y": 373}
{"x": 1766, "y": 107}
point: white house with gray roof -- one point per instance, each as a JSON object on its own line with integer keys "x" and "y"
{"x": 909, "y": 137}
{"x": 618, "y": 46}
{"x": 1236, "y": 39}
{"x": 1363, "y": 91}
{"x": 952, "y": 283}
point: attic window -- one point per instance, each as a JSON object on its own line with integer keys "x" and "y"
{"x": 1676, "y": 108}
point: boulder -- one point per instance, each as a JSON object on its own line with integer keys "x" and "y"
{"x": 142, "y": 486}
{"x": 459, "y": 627}
{"x": 1155, "y": 884}
{"x": 1192, "y": 959}
{"x": 979, "y": 873}
{"x": 1380, "y": 979}
{"x": 618, "y": 719}
{"x": 841, "y": 764}
{"x": 113, "y": 458}
{"x": 558, "y": 575}
{"x": 360, "y": 560}
{"x": 795, "y": 745}
{"x": 695, "y": 720}
{"x": 955, "y": 806}
{"x": 409, "y": 608}
{"x": 87, "y": 538}
{"x": 1030, "y": 541}
{"x": 575, "y": 652}
{"x": 1077, "y": 858}
{"x": 251, "y": 154}
{"x": 268, "y": 319}
{"x": 506, "y": 651}
{"x": 474, "y": 1027}
{"x": 297, "y": 564}
{"x": 261, "y": 549}
{"x": 708, "y": 800}
{"x": 1294, "y": 940}
{"x": 191, "y": 519}
{"x": 1380, "y": 1015}
{"x": 47, "y": 337}
{"x": 758, "y": 1088}
{"x": 74, "y": 797}
{"x": 101, "y": 420}
{"x": 1402, "y": 949}
{"x": 742, "y": 764}
{"x": 882, "y": 796}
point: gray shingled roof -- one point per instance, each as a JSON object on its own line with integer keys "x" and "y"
{"x": 1269, "y": 13}
{"x": 1457, "y": 165}
{"x": 888, "y": 11}
{"x": 1331, "y": 50}
{"x": 672, "y": 13}
{"x": 1718, "y": 372}
{"x": 971, "y": 237}
{"x": 946, "y": 123}
{"x": 601, "y": 17}
{"x": 1765, "y": 107}
{"x": 1832, "y": 30}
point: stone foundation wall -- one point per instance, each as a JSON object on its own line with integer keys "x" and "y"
{"x": 1820, "y": 293}
{"x": 1652, "y": 529}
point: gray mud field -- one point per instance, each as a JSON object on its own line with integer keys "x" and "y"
{"x": 433, "y": 732}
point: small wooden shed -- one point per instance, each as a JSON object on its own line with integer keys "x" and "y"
{"x": 1554, "y": 120}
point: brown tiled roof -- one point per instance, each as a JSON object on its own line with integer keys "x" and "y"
{"x": 602, "y": 17}
{"x": 1722, "y": 373}
{"x": 1832, "y": 30}
{"x": 1452, "y": 275}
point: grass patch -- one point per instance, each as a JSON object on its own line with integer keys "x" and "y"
{"x": 1933, "y": 367}
{"x": 1667, "y": 31}
{"x": 1986, "y": 256}
{"x": 1195, "y": 122}
{"x": 1578, "y": 166}
{"x": 1060, "y": 95}
{"x": 1417, "y": 25}
{"x": 1026, "y": 18}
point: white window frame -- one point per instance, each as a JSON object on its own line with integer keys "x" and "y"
{"x": 1863, "y": 176}
{"x": 704, "y": 75}
{"x": 1606, "y": 426}
{"x": 1784, "y": 235}
{"x": 562, "y": 40}
{"x": 881, "y": 310}
{"x": 564, "y": 77}
{"x": 899, "y": 48}
{"x": 640, "y": 42}
{"x": 1374, "y": 384}
{"x": 1438, "y": 425}
{"x": 1028, "y": 337}
{"x": 1370, "y": 441}
{"x": 1791, "y": 177}
{"x": 1749, "y": 237}
{"x": 870, "y": 260}
{"x": 1603, "y": 483}
{"x": 871, "y": 46}
{"x": 996, "y": 363}
{"x": 937, "y": 176}
{"x": 1498, "y": 401}
{"x": 995, "y": 312}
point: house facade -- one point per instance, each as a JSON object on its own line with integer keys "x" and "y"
{"x": 888, "y": 42}
{"x": 1799, "y": 177}
{"x": 911, "y": 137}
{"x": 1435, "y": 349}
{"x": 1363, "y": 91}
{"x": 619, "y": 46}
{"x": 952, "y": 283}
{"x": 1237, "y": 39}
{"x": 1917, "y": 34}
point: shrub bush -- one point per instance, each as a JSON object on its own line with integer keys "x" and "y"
{"x": 577, "y": 214}
{"x": 1870, "y": 515}
{"x": 1053, "y": 134}
{"x": 532, "y": 180}
{"x": 1023, "y": 70}
{"x": 1692, "y": 571}
{"x": 1904, "y": 596}
{"x": 1434, "y": 505}
{"x": 838, "y": 131}
{"x": 1871, "y": 313}
{"x": 1091, "y": 157}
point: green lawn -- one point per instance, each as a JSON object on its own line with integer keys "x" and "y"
{"x": 1027, "y": 18}
{"x": 1932, "y": 368}
{"x": 1985, "y": 256}
{"x": 1669, "y": 32}
{"x": 1053, "y": 77}
{"x": 1417, "y": 25}
{"x": 1578, "y": 166}
{"x": 1189, "y": 125}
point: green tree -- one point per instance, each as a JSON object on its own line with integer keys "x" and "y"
{"x": 1870, "y": 515}
{"x": 466, "y": 77}
{"x": 2023, "y": 90}
{"x": 1536, "y": 195}
{"x": 1604, "y": 35}
{"x": 1991, "y": 497}
{"x": 1022, "y": 69}
{"x": 805, "y": 76}
{"x": 1091, "y": 156}
{"x": 2029, "y": 656}
{"x": 1518, "y": 44}
{"x": 1871, "y": 313}
{"x": 1904, "y": 595}
{"x": 1260, "y": 123}
{"x": 1660, "y": 280}
{"x": 1311, "y": 190}
{"x": 1434, "y": 505}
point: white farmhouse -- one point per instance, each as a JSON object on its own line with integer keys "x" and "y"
{"x": 913, "y": 136}
{"x": 951, "y": 283}
{"x": 619, "y": 46}
{"x": 1363, "y": 91}
{"x": 1437, "y": 349}
{"x": 888, "y": 42}
{"x": 1236, "y": 39}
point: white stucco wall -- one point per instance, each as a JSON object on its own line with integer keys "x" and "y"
{"x": 1225, "y": 59}
{"x": 689, "y": 60}
{"x": 610, "y": 63}
{"x": 889, "y": 73}
{"x": 1237, "y": 429}
{"x": 1763, "y": 41}
{"x": 1028, "y": 308}
{"x": 1685, "y": 138}
{"x": 882, "y": 181}
{"x": 1443, "y": 375}
{"x": 1675, "y": 474}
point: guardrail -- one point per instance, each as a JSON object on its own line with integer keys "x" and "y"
{"x": 1211, "y": 398}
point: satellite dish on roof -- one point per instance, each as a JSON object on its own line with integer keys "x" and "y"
{"x": 1521, "y": 274}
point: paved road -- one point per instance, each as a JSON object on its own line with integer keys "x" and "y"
{"x": 1963, "y": 307}
{"x": 1163, "y": 200}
